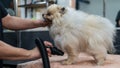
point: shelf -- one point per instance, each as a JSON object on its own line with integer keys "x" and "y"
{"x": 33, "y": 6}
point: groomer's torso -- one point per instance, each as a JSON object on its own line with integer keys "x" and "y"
{"x": 3, "y": 13}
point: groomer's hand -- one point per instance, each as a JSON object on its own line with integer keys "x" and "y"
{"x": 48, "y": 49}
{"x": 42, "y": 23}
{"x": 35, "y": 52}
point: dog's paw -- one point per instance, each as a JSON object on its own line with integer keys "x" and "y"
{"x": 67, "y": 62}
{"x": 100, "y": 63}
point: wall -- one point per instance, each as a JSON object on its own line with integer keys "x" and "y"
{"x": 96, "y": 7}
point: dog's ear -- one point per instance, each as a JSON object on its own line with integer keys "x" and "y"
{"x": 62, "y": 10}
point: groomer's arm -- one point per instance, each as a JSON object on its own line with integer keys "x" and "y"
{"x": 9, "y": 52}
{"x": 17, "y": 23}
{"x": 12, "y": 53}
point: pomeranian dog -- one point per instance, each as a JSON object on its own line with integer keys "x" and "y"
{"x": 76, "y": 31}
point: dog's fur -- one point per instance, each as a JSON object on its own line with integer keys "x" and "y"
{"x": 76, "y": 31}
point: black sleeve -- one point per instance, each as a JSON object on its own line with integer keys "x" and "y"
{"x": 117, "y": 19}
{"x": 3, "y": 12}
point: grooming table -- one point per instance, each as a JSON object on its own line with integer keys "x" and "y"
{"x": 85, "y": 61}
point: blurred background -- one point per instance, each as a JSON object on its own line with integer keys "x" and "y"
{"x": 34, "y": 8}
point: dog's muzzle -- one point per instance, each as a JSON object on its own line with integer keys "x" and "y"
{"x": 46, "y": 19}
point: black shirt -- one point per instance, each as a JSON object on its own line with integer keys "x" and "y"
{"x": 117, "y": 19}
{"x": 6, "y": 3}
{"x": 3, "y": 13}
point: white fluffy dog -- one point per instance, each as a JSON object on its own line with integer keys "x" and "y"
{"x": 76, "y": 31}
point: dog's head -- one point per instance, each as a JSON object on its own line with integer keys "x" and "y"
{"x": 54, "y": 12}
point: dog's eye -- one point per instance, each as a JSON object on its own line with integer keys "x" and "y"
{"x": 48, "y": 14}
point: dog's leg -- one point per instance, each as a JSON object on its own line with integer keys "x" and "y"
{"x": 97, "y": 49}
{"x": 72, "y": 55}
{"x": 99, "y": 56}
